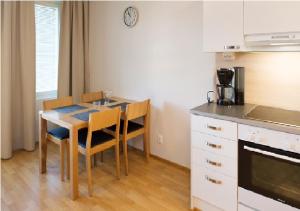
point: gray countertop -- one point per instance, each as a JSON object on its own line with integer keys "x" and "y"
{"x": 237, "y": 113}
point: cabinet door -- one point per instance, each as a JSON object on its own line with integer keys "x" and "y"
{"x": 214, "y": 188}
{"x": 223, "y": 26}
{"x": 271, "y": 16}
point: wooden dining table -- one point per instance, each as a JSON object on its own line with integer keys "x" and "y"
{"x": 67, "y": 120}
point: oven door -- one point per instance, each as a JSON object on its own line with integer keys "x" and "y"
{"x": 270, "y": 172}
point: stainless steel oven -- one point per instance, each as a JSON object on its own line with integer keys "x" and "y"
{"x": 268, "y": 172}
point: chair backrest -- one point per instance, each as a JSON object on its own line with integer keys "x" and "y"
{"x": 63, "y": 101}
{"x": 91, "y": 96}
{"x": 137, "y": 110}
{"x": 103, "y": 119}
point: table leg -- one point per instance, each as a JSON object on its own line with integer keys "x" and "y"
{"x": 146, "y": 136}
{"x": 74, "y": 162}
{"x": 42, "y": 144}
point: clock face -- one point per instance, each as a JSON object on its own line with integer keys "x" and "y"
{"x": 130, "y": 16}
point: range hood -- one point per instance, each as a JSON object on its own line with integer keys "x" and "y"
{"x": 274, "y": 39}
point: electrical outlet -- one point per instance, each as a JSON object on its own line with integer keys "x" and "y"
{"x": 160, "y": 139}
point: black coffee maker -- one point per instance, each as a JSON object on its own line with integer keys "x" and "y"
{"x": 230, "y": 86}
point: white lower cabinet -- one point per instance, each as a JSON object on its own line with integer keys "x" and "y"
{"x": 213, "y": 166}
{"x": 215, "y": 188}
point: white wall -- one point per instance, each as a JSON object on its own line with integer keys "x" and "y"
{"x": 160, "y": 58}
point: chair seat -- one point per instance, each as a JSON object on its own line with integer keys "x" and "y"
{"x": 132, "y": 126}
{"x": 59, "y": 133}
{"x": 98, "y": 137}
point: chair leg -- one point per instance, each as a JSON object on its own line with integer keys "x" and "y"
{"x": 95, "y": 160}
{"x": 121, "y": 146}
{"x": 68, "y": 159}
{"x": 62, "y": 160}
{"x": 89, "y": 173}
{"x": 117, "y": 154}
{"x": 102, "y": 157}
{"x": 146, "y": 146}
{"x": 125, "y": 157}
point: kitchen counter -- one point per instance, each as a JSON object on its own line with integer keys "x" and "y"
{"x": 237, "y": 113}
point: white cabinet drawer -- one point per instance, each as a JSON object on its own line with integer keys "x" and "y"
{"x": 217, "y": 189}
{"x": 214, "y": 144}
{"x": 215, "y": 162}
{"x": 215, "y": 127}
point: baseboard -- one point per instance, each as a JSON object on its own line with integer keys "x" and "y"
{"x": 163, "y": 160}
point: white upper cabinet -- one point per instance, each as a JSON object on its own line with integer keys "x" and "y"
{"x": 223, "y": 26}
{"x": 265, "y": 17}
{"x": 251, "y": 26}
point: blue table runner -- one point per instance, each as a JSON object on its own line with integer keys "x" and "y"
{"x": 85, "y": 115}
{"x": 102, "y": 101}
{"x": 122, "y": 105}
{"x": 69, "y": 109}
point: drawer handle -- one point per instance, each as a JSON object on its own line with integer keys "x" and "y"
{"x": 231, "y": 47}
{"x": 213, "y": 163}
{"x": 214, "y": 128}
{"x": 214, "y": 145}
{"x": 218, "y": 182}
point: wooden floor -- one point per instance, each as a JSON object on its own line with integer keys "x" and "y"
{"x": 153, "y": 185}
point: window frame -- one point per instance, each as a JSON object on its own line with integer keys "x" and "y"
{"x": 51, "y": 94}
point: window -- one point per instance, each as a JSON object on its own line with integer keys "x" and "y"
{"x": 47, "y": 47}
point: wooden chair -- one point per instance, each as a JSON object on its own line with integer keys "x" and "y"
{"x": 91, "y": 96}
{"x": 130, "y": 129}
{"x": 60, "y": 135}
{"x": 87, "y": 98}
{"x": 93, "y": 139}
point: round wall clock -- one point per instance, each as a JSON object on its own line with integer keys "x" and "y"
{"x": 130, "y": 16}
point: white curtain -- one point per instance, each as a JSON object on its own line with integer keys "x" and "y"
{"x": 73, "y": 70}
{"x": 17, "y": 77}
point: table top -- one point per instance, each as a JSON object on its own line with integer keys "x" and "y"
{"x": 67, "y": 120}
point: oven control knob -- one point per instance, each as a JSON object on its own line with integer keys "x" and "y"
{"x": 297, "y": 147}
{"x": 252, "y": 136}
{"x": 293, "y": 147}
{"x": 263, "y": 140}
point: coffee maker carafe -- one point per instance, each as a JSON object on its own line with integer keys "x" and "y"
{"x": 230, "y": 86}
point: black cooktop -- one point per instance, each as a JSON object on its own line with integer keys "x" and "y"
{"x": 275, "y": 115}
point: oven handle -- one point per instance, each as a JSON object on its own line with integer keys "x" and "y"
{"x": 283, "y": 157}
